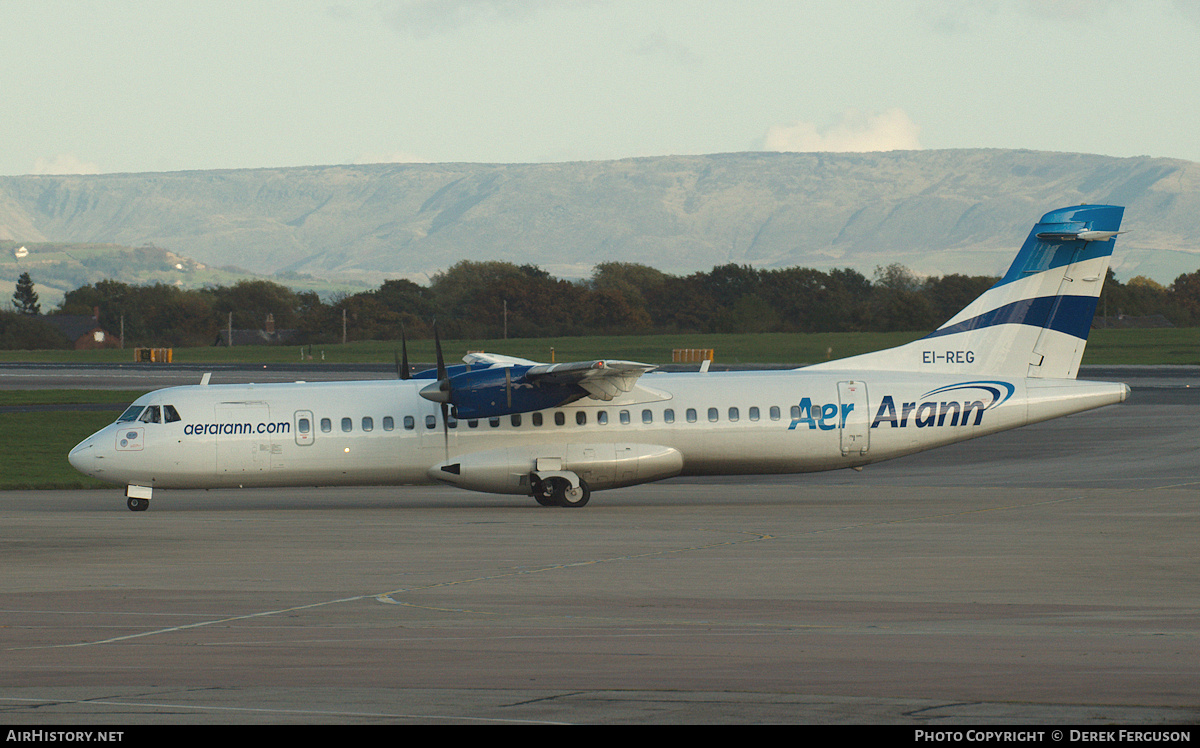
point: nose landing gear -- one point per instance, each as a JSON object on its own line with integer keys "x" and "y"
{"x": 137, "y": 498}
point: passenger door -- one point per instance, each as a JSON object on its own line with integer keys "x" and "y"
{"x": 855, "y": 418}
{"x": 240, "y": 448}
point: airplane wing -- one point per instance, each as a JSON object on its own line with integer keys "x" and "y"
{"x": 506, "y": 384}
{"x": 495, "y": 359}
{"x": 602, "y": 379}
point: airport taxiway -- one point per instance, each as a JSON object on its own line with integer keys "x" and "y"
{"x": 1043, "y": 575}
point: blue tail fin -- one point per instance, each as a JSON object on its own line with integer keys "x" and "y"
{"x": 1035, "y": 321}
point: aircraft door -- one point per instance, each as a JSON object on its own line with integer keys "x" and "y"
{"x": 245, "y": 438}
{"x": 855, "y": 418}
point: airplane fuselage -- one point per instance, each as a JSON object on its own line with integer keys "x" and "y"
{"x": 385, "y": 433}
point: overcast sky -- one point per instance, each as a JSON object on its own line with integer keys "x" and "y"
{"x": 91, "y": 86}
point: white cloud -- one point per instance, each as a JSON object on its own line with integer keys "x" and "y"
{"x": 856, "y": 131}
{"x": 64, "y": 163}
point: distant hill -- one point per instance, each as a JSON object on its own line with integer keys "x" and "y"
{"x": 937, "y": 212}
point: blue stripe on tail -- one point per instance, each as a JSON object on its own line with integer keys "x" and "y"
{"x": 1068, "y": 314}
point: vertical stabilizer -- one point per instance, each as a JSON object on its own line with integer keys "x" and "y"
{"x": 1035, "y": 321}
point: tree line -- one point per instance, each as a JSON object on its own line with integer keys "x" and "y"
{"x": 487, "y": 300}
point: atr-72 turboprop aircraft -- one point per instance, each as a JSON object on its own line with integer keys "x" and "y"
{"x": 559, "y": 431}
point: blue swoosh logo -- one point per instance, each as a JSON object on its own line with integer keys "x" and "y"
{"x": 1000, "y": 391}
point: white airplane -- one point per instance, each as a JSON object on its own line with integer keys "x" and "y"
{"x": 559, "y": 431}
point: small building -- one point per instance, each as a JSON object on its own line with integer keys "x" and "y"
{"x": 266, "y": 336}
{"x": 84, "y": 332}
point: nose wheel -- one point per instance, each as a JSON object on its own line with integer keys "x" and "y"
{"x": 137, "y": 498}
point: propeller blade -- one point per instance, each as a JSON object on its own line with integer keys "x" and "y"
{"x": 437, "y": 343}
{"x": 402, "y": 369}
{"x": 508, "y": 384}
{"x": 446, "y": 428}
{"x": 444, "y": 385}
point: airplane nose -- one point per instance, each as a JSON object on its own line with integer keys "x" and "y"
{"x": 83, "y": 456}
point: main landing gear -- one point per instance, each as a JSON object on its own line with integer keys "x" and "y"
{"x": 558, "y": 490}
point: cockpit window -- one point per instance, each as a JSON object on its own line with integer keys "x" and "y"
{"x": 152, "y": 414}
{"x": 170, "y": 415}
{"x": 131, "y": 413}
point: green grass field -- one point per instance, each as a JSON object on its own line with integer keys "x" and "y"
{"x": 34, "y": 445}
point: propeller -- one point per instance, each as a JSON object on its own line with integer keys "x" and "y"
{"x": 444, "y": 386}
{"x": 402, "y": 369}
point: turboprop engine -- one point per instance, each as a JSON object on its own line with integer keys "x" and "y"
{"x": 499, "y": 391}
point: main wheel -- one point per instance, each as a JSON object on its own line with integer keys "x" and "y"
{"x": 137, "y": 505}
{"x": 545, "y": 497}
{"x": 573, "y": 497}
{"x": 543, "y": 492}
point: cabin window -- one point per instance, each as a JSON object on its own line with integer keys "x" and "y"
{"x": 431, "y": 421}
{"x": 515, "y": 419}
{"x": 647, "y": 416}
{"x": 795, "y": 412}
{"x": 410, "y": 423}
{"x": 368, "y": 423}
{"x": 170, "y": 415}
{"x": 326, "y": 425}
{"x": 602, "y": 417}
{"x": 451, "y": 422}
{"x": 303, "y": 426}
{"x": 669, "y": 416}
{"x": 559, "y": 418}
{"x": 754, "y": 414}
{"x": 494, "y": 422}
{"x": 537, "y": 419}
{"x": 691, "y": 415}
{"x": 347, "y": 424}
{"x": 774, "y": 412}
{"x": 713, "y": 414}
{"x": 152, "y": 414}
{"x": 473, "y": 423}
{"x": 733, "y": 414}
{"x": 389, "y": 424}
{"x": 131, "y": 413}
{"x": 580, "y": 418}
{"x": 624, "y": 418}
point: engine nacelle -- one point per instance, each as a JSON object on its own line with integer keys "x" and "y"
{"x": 601, "y": 466}
{"x": 499, "y": 391}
